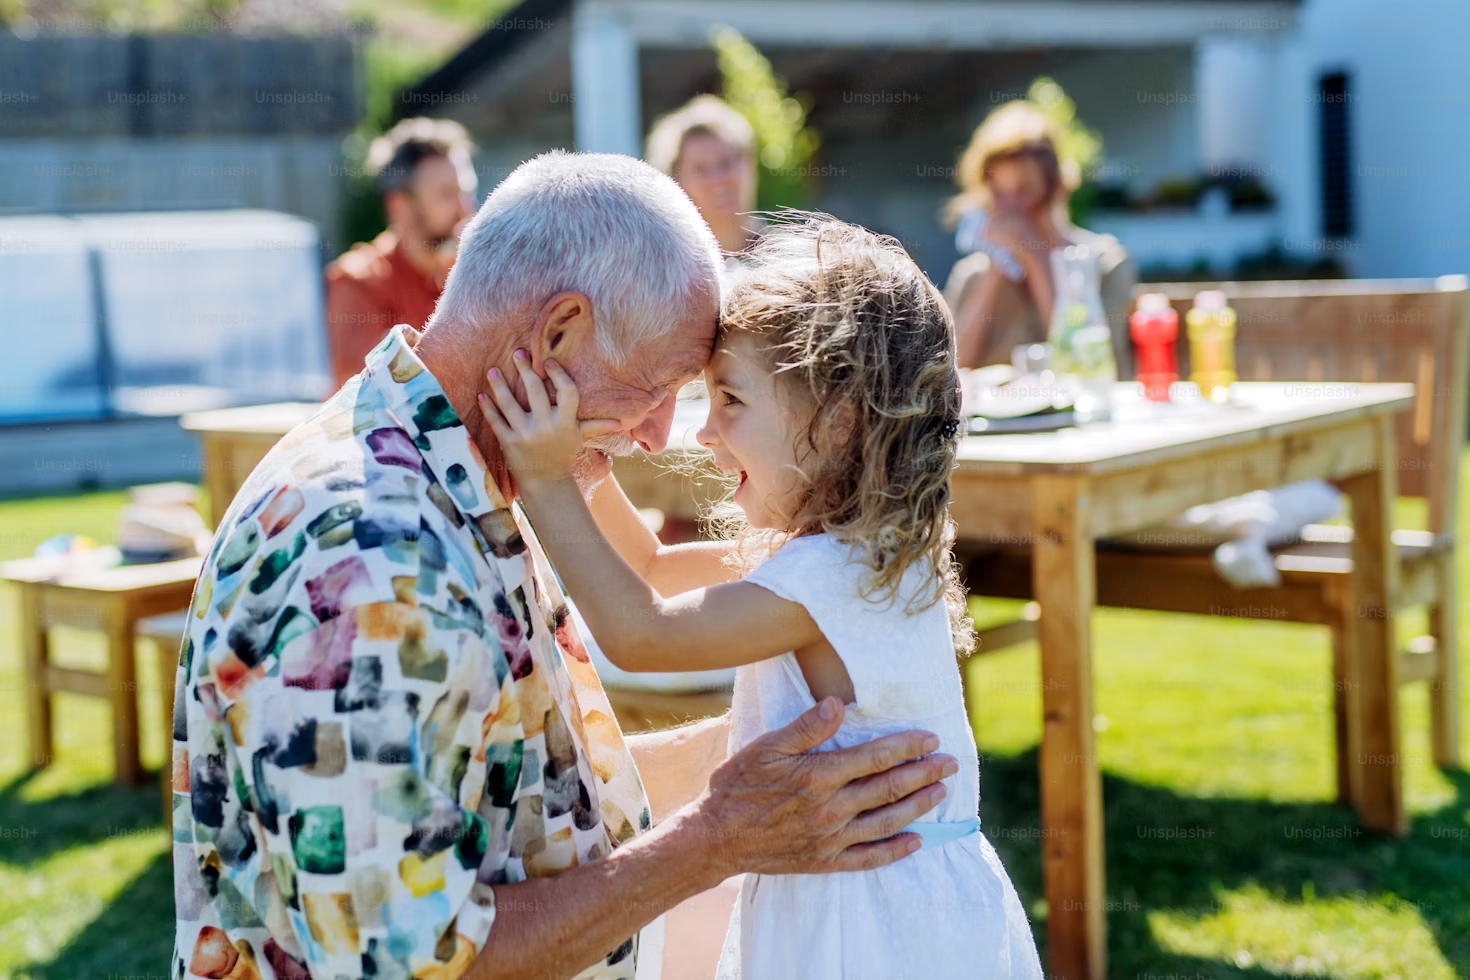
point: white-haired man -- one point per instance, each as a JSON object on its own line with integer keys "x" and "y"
{"x": 392, "y": 757}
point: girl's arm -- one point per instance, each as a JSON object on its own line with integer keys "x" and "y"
{"x": 670, "y": 569}
{"x": 636, "y": 627}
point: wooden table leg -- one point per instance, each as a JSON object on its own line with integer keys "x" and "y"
{"x": 1373, "y": 689}
{"x": 1064, "y": 578}
{"x": 1444, "y": 691}
{"x": 37, "y": 654}
{"x": 122, "y": 693}
{"x": 1344, "y": 738}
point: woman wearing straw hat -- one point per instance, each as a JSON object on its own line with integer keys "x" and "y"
{"x": 1011, "y": 213}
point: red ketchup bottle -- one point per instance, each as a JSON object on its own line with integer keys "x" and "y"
{"x": 1155, "y": 326}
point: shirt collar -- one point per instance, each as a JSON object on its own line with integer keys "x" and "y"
{"x": 390, "y": 246}
{"x": 416, "y": 401}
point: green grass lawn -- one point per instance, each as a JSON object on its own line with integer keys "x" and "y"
{"x": 1225, "y": 856}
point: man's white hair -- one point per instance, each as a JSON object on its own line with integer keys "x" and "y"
{"x": 608, "y": 226}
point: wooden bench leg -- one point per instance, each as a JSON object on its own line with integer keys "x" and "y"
{"x": 37, "y": 653}
{"x": 1373, "y": 693}
{"x": 1342, "y": 716}
{"x": 122, "y": 693}
{"x": 1064, "y": 577}
{"x": 1444, "y": 690}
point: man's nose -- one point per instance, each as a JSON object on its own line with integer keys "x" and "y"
{"x": 653, "y": 432}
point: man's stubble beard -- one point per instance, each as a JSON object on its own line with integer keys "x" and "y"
{"x": 591, "y": 467}
{"x": 432, "y": 239}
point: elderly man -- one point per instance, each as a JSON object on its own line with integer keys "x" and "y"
{"x": 393, "y": 757}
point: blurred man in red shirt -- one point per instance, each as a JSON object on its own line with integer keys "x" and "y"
{"x": 422, "y": 167}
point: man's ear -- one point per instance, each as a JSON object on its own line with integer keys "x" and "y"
{"x": 563, "y": 327}
{"x": 396, "y": 206}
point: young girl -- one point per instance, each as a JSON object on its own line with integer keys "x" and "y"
{"x": 834, "y": 399}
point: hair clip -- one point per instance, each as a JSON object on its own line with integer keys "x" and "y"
{"x": 951, "y": 428}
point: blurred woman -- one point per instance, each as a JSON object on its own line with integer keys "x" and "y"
{"x": 709, "y": 149}
{"x": 1012, "y": 213}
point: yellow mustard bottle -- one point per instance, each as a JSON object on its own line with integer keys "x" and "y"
{"x": 1211, "y": 326}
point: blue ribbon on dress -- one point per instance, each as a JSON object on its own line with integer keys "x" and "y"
{"x": 937, "y": 833}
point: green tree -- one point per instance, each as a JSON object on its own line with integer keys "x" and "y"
{"x": 1079, "y": 148}
{"x": 784, "y": 143}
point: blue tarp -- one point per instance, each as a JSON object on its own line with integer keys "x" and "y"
{"x": 158, "y": 313}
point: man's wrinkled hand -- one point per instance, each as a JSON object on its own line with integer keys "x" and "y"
{"x": 776, "y": 807}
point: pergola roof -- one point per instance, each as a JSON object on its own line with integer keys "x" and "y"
{"x": 864, "y": 64}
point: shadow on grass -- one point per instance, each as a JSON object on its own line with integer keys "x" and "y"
{"x": 134, "y": 933}
{"x": 1164, "y": 852}
{"x": 1167, "y": 852}
{"x": 36, "y": 829}
{"x": 133, "y": 937}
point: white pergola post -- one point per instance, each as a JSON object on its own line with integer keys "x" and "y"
{"x": 605, "y": 106}
{"x": 1237, "y": 87}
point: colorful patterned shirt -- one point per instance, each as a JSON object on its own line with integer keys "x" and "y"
{"x": 382, "y": 709}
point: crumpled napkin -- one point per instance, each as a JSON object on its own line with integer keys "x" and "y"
{"x": 1243, "y": 529}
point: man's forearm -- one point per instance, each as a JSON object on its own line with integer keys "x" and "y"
{"x": 675, "y": 765}
{"x": 556, "y": 927}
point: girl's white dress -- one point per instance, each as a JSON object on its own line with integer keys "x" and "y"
{"x": 947, "y": 912}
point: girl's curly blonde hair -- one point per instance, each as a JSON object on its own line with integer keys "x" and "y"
{"x": 865, "y": 342}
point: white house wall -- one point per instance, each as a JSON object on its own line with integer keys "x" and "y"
{"x": 1409, "y": 90}
{"x": 1145, "y": 105}
{"x": 1235, "y": 78}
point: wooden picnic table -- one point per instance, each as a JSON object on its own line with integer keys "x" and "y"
{"x": 1058, "y": 492}
{"x": 232, "y": 441}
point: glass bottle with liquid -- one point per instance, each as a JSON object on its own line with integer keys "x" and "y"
{"x": 1211, "y": 327}
{"x": 1154, "y": 327}
{"x": 1081, "y": 342}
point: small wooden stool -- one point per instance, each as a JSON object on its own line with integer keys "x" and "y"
{"x": 166, "y": 633}
{"x": 64, "y": 591}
